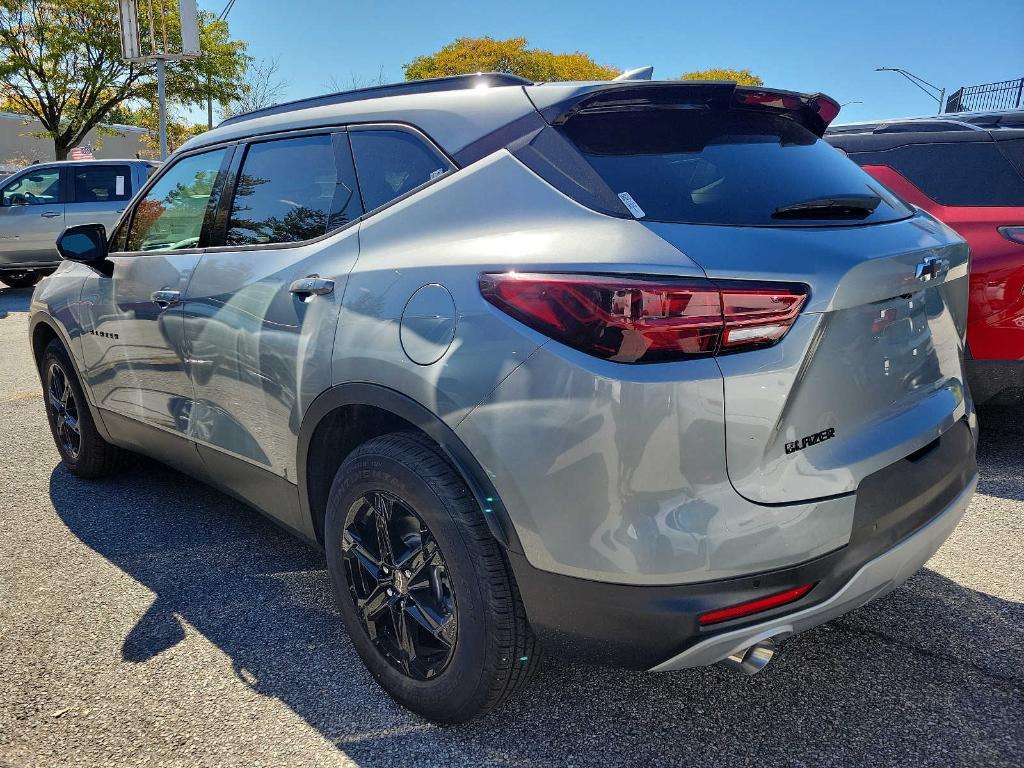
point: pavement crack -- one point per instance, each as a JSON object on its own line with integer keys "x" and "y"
{"x": 1015, "y": 684}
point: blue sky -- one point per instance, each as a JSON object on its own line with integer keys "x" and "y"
{"x": 831, "y": 47}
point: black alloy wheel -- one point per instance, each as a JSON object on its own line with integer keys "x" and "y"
{"x": 400, "y": 585}
{"x": 63, "y": 406}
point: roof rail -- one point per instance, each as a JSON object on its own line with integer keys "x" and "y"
{"x": 906, "y": 125}
{"x": 430, "y": 85}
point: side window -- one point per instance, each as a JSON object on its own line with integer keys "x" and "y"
{"x": 171, "y": 214}
{"x": 40, "y": 187}
{"x": 290, "y": 190}
{"x": 101, "y": 183}
{"x": 971, "y": 173}
{"x": 391, "y": 163}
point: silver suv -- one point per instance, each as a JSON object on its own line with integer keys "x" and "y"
{"x": 37, "y": 203}
{"x": 640, "y": 372}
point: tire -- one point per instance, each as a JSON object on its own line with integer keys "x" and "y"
{"x": 20, "y": 279}
{"x": 480, "y": 648}
{"x": 82, "y": 449}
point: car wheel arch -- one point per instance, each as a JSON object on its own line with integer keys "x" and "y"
{"x": 43, "y": 329}
{"x": 347, "y": 415}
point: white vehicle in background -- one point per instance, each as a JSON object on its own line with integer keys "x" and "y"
{"x": 38, "y": 202}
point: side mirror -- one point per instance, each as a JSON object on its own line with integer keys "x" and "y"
{"x": 84, "y": 243}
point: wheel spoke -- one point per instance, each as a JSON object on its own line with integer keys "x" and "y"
{"x": 440, "y": 628}
{"x": 420, "y": 557}
{"x": 65, "y": 393}
{"x": 72, "y": 423}
{"x": 382, "y": 507}
{"x": 377, "y": 601}
{"x": 403, "y": 636}
{"x": 362, "y": 555}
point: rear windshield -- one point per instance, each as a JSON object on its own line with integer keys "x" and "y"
{"x": 731, "y": 167}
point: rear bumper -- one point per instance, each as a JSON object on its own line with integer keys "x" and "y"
{"x": 878, "y": 577}
{"x": 903, "y": 513}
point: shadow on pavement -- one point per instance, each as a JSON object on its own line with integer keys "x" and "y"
{"x": 929, "y": 674}
{"x": 1000, "y": 438}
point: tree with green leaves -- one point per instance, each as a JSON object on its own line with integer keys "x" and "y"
{"x": 739, "y": 76}
{"x": 467, "y": 55}
{"x": 61, "y": 62}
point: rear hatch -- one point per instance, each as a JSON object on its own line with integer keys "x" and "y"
{"x": 871, "y": 371}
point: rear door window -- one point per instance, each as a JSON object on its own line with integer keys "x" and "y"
{"x": 290, "y": 190}
{"x": 391, "y": 163}
{"x": 729, "y": 166}
{"x": 964, "y": 174}
{"x": 101, "y": 183}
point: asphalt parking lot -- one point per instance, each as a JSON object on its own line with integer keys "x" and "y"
{"x": 148, "y": 620}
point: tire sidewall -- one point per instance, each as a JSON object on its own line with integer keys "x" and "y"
{"x": 15, "y": 281}
{"x": 460, "y": 685}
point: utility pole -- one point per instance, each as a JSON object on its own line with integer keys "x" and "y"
{"x": 923, "y": 85}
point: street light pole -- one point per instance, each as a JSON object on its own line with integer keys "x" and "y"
{"x": 161, "y": 98}
{"x": 922, "y": 84}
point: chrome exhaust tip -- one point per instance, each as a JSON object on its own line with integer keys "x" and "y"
{"x": 752, "y": 659}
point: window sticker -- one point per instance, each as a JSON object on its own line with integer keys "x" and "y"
{"x": 629, "y": 202}
{"x": 119, "y": 186}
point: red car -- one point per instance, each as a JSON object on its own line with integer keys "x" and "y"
{"x": 966, "y": 169}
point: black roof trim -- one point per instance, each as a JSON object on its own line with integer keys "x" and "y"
{"x": 430, "y": 85}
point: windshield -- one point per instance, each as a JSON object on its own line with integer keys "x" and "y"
{"x": 733, "y": 166}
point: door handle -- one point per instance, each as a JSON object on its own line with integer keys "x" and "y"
{"x": 312, "y": 286}
{"x": 49, "y": 215}
{"x": 165, "y": 299}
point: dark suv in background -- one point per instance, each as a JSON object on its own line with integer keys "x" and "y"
{"x": 966, "y": 169}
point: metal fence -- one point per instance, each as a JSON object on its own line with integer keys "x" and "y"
{"x": 1006, "y": 94}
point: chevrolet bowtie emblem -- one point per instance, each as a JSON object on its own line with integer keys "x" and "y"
{"x": 930, "y": 268}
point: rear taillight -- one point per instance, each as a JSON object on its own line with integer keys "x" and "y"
{"x": 642, "y": 320}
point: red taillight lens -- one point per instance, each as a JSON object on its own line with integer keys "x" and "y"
{"x": 758, "y": 316}
{"x": 825, "y": 108}
{"x": 640, "y": 320}
{"x": 754, "y": 606}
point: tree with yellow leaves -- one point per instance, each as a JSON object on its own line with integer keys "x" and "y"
{"x": 485, "y": 54}
{"x": 740, "y": 76}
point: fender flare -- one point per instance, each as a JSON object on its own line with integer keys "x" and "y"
{"x": 386, "y": 399}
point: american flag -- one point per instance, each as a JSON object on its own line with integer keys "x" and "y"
{"x": 83, "y": 152}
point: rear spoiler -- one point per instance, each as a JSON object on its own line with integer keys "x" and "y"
{"x": 814, "y": 111}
